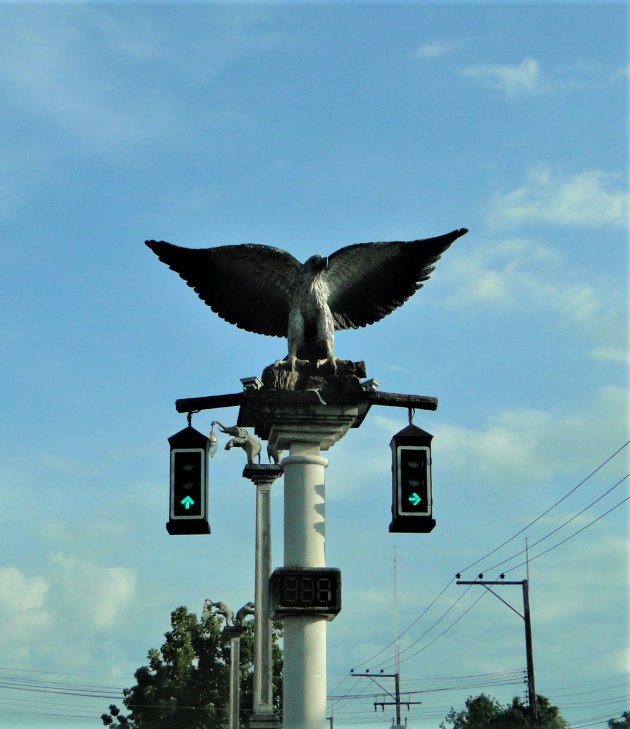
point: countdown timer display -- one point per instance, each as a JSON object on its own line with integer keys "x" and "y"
{"x": 314, "y": 590}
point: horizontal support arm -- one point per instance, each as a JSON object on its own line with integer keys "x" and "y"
{"x": 396, "y": 400}
{"x": 194, "y": 404}
{"x": 487, "y": 582}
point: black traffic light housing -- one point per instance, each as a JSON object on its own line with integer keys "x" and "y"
{"x": 412, "y": 497}
{"x": 188, "y": 505}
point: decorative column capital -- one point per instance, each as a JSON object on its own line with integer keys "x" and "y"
{"x": 262, "y": 474}
{"x": 233, "y": 631}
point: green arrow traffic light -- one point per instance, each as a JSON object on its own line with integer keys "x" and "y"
{"x": 415, "y": 499}
{"x": 187, "y": 502}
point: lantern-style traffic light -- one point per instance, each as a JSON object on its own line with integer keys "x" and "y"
{"x": 188, "y": 513}
{"x": 412, "y": 498}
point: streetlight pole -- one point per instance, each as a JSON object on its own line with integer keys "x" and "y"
{"x": 234, "y": 632}
{"x": 262, "y": 716}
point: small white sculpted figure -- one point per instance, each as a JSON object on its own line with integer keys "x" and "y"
{"x": 242, "y": 613}
{"x": 241, "y": 438}
{"x": 222, "y": 609}
{"x": 273, "y": 454}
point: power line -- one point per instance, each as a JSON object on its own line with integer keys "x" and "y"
{"x": 581, "y": 693}
{"x": 553, "y": 506}
{"x": 616, "y": 506}
{"x": 568, "y": 521}
{"x": 406, "y": 692}
{"x": 421, "y": 615}
{"x": 63, "y": 692}
{"x": 60, "y": 673}
{"x": 444, "y": 614}
{"x": 408, "y": 628}
{"x": 452, "y": 625}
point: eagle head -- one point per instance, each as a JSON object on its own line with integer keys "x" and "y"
{"x": 315, "y": 264}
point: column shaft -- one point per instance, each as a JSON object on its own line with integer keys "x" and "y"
{"x": 304, "y": 676}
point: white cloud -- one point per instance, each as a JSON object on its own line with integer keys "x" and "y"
{"x": 612, "y": 354}
{"x": 510, "y": 272}
{"x": 436, "y": 48}
{"x": 516, "y": 269}
{"x": 58, "y": 613}
{"x": 590, "y": 198}
{"x": 76, "y": 70}
{"x": 591, "y": 588}
{"x": 513, "y": 81}
{"x": 70, "y": 83}
{"x": 109, "y": 591}
{"x": 530, "y": 445}
{"x": 621, "y": 74}
{"x": 23, "y": 611}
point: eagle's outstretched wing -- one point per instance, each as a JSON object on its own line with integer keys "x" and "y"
{"x": 367, "y": 281}
{"x": 249, "y": 285}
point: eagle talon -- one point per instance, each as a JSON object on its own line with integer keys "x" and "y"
{"x": 291, "y": 360}
{"x": 331, "y": 359}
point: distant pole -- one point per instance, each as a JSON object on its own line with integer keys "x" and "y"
{"x": 396, "y": 648}
{"x": 531, "y": 686}
{"x": 396, "y": 696}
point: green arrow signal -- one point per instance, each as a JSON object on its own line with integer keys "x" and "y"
{"x": 415, "y": 499}
{"x": 187, "y": 502}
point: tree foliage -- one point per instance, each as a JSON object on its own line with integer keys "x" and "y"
{"x": 484, "y": 712}
{"x": 186, "y": 682}
{"x": 622, "y": 723}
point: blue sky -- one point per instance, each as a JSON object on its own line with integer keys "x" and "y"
{"x": 310, "y": 127}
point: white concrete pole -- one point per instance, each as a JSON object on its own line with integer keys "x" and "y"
{"x": 235, "y": 662}
{"x": 262, "y": 717}
{"x": 263, "y": 696}
{"x": 304, "y": 675}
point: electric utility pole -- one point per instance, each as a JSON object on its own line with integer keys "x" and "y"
{"x": 396, "y": 696}
{"x": 531, "y": 687}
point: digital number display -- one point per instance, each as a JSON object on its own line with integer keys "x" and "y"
{"x": 316, "y": 589}
{"x": 302, "y": 590}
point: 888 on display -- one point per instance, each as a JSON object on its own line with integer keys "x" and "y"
{"x": 314, "y": 590}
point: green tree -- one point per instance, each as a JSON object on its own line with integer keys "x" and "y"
{"x": 114, "y": 718}
{"x": 479, "y": 712}
{"x": 186, "y": 682}
{"x": 484, "y": 712}
{"x": 622, "y": 723}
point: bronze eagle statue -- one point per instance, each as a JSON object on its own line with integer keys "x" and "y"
{"x": 266, "y": 290}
